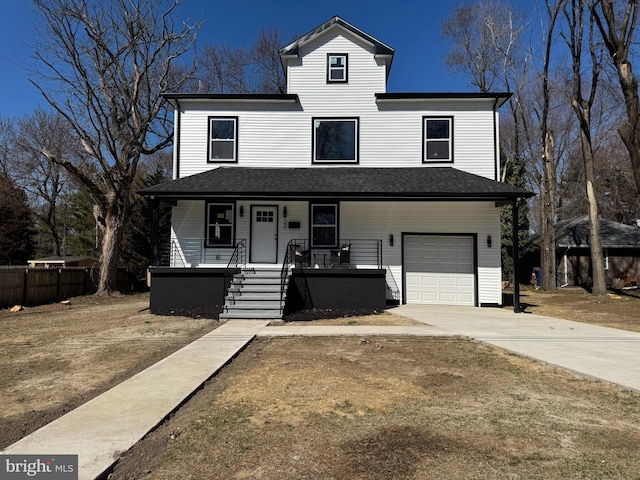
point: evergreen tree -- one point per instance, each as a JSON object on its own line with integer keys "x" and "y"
{"x": 16, "y": 227}
{"x": 80, "y": 236}
{"x": 515, "y": 171}
{"x": 136, "y": 254}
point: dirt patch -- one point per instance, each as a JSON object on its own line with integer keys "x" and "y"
{"x": 332, "y": 408}
{"x": 345, "y": 317}
{"x": 402, "y": 408}
{"x": 619, "y": 309}
{"x": 55, "y": 357}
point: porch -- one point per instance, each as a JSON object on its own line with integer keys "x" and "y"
{"x": 193, "y": 277}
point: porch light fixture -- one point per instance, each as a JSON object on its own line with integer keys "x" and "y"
{"x": 242, "y": 210}
{"x": 488, "y": 241}
{"x": 284, "y": 211}
{"x": 391, "y": 240}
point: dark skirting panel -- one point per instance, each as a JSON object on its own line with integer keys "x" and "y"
{"x": 336, "y": 288}
{"x": 182, "y": 289}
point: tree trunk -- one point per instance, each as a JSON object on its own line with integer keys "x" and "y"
{"x": 630, "y": 130}
{"x": 548, "y": 217}
{"x": 595, "y": 240}
{"x": 111, "y": 224}
{"x": 618, "y": 36}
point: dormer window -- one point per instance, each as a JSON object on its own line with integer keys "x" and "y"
{"x": 337, "y": 68}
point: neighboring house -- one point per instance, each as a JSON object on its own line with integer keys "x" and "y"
{"x": 621, "y": 245}
{"x": 353, "y": 197}
{"x": 64, "y": 261}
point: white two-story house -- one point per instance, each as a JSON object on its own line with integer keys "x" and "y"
{"x": 351, "y": 196}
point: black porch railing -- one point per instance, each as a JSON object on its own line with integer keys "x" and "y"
{"x": 189, "y": 252}
{"x": 238, "y": 258}
{"x": 346, "y": 254}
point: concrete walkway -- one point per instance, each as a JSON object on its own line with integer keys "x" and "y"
{"x": 604, "y": 353}
{"x": 103, "y": 428}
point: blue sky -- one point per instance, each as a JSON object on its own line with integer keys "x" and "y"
{"x": 411, "y": 27}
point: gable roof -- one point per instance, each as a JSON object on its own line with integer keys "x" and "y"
{"x": 574, "y": 233}
{"x": 421, "y": 183}
{"x": 380, "y": 49}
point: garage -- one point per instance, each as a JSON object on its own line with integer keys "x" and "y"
{"x": 440, "y": 269}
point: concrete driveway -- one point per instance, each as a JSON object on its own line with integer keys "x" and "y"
{"x": 605, "y": 353}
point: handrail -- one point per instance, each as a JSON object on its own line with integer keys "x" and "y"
{"x": 285, "y": 272}
{"x": 175, "y": 253}
{"x": 392, "y": 285}
{"x": 239, "y": 256}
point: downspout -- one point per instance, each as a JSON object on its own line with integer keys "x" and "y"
{"x": 516, "y": 248}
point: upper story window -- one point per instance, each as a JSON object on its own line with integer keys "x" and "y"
{"x": 337, "y": 68}
{"x": 438, "y": 139}
{"x": 223, "y": 139}
{"x": 219, "y": 225}
{"x": 335, "y": 140}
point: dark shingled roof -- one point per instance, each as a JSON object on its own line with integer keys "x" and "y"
{"x": 574, "y": 233}
{"x": 444, "y": 183}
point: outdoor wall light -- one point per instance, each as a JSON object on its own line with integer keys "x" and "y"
{"x": 488, "y": 241}
{"x": 242, "y": 210}
{"x": 284, "y": 211}
{"x": 391, "y": 240}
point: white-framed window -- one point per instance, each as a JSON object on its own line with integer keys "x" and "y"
{"x": 438, "y": 139}
{"x": 324, "y": 225}
{"x": 219, "y": 225}
{"x": 223, "y": 139}
{"x": 337, "y": 68}
{"x": 335, "y": 140}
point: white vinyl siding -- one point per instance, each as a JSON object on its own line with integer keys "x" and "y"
{"x": 391, "y": 137}
{"x": 370, "y": 220}
{"x": 381, "y": 219}
{"x": 307, "y": 76}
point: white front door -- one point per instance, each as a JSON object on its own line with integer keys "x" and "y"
{"x": 264, "y": 234}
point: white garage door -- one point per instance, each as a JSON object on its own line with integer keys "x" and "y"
{"x": 439, "y": 269}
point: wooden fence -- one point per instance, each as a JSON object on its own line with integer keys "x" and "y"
{"x": 37, "y": 286}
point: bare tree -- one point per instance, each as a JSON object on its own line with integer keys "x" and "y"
{"x": 549, "y": 183}
{"x": 46, "y": 182}
{"x": 6, "y": 134}
{"x": 485, "y": 43}
{"x": 617, "y": 27}
{"x": 103, "y": 66}
{"x": 256, "y": 69}
{"x": 582, "y": 106}
{"x": 266, "y": 62}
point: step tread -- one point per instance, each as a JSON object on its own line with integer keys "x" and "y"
{"x": 248, "y": 315}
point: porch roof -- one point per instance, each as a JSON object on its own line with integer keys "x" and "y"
{"x": 428, "y": 183}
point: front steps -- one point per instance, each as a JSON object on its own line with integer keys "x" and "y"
{"x": 255, "y": 294}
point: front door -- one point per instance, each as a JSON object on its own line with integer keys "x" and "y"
{"x": 264, "y": 234}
